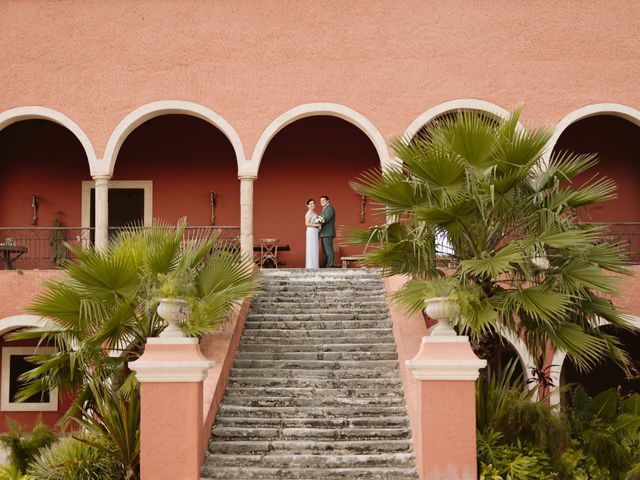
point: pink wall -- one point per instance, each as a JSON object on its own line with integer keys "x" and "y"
{"x": 252, "y": 60}
{"x": 186, "y": 158}
{"x": 309, "y": 158}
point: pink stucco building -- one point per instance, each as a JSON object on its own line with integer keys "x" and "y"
{"x": 114, "y": 111}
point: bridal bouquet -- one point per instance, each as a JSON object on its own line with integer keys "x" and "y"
{"x": 319, "y": 219}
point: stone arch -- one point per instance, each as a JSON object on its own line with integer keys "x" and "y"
{"x": 319, "y": 109}
{"x": 15, "y": 322}
{"x": 560, "y": 356}
{"x": 614, "y": 109}
{"x": 452, "y": 105}
{"x": 14, "y": 115}
{"x": 156, "y": 109}
{"x": 526, "y": 360}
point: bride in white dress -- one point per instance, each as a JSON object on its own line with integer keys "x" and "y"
{"x": 312, "y": 259}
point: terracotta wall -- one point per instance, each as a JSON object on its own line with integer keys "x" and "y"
{"x": 38, "y": 156}
{"x": 186, "y": 158}
{"x": 617, "y": 143}
{"x": 309, "y": 158}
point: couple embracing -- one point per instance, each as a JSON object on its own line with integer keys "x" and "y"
{"x": 320, "y": 227}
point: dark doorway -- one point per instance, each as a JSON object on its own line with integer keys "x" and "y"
{"x": 126, "y": 207}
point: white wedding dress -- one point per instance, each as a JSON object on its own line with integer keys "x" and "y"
{"x": 312, "y": 259}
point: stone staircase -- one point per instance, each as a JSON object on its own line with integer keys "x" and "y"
{"x": 315, "y": 391}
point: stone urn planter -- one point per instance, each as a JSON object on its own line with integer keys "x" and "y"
{"x": 441, "y": 309}
{"x": 174, "y": 311}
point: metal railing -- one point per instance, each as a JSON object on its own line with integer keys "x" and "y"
{"x": 43, "y": 248}
{"x": 626, "y": 234}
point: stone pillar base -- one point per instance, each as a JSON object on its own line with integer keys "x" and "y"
{"x": 447, "y": 369}
{"x": 171, "y": 372}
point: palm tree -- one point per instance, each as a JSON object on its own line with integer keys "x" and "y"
{"x": 101, "y": 310}
{"x": 476, "y": 215}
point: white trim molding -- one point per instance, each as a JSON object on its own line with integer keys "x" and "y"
{"x": 146, "y": 185}
{"x": 6, "y": 405}
{"x": 312, "y": 110}
{"x": 468, "y": 104}
{"x": 560, "y": 356}
{"x": 156, "y": 109}
{"x": 15, "y": 322}
{"x": 14, "y": 115}
{"x": 593, "y": 110}
{"x": 443, "y": 369}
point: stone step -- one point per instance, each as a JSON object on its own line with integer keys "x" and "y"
{"x": 260, "y": 473}
{"x": 322, "y": 322}
{"x": 282, "y": 460}
{"x": 352, "y": 383}
{"x": 340, "y": 422}
{"x": 311, "y": 412}
{"x": 321, "y": 333}
{"x": 333, "y": 356}
{"x": 321, "y": 273}
{"x": 272, "y": 301}
{"x": 297, "y": 291}
{"x": 311, "y": 447}
{"x": 301, "y": 348}
{"x": 253, "y": 337}
{"x": 319, "y": 317}
{"x": 280, "y": 401}
{"x": 318, "y": 364}
{"x": 306, "y": 310}
{"x": 306, "y": 433}
{"x": 317, "y": 373}
{"x": 299, "y": 392}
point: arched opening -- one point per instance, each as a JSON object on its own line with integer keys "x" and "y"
{"x": 310, "y": 157}
{"x": 607, "y": 374}
{"x": 43, "y": 166}
{"x": 174, "y": 166}
{"x": 617, "y": 143}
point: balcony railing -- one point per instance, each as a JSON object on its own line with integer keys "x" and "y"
{"x": 43, "y": 248}
{"x": 626, "y": 234}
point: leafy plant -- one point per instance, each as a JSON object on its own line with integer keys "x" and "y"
{"x": 74, "y": 458}
{"x": 24, "y": 446}
{"x": 474, "y": 190}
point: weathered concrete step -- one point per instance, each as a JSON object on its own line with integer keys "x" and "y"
{"x": 301, "y": 348}
{"x": 390, "y": 383}
{"x": 244, "y": 355}
{"x": 321, "y": 333}
{"x": 306, "y": 433}
{"x": 311, "y": 412}
{"x": 259, "y": 473}
{"x": 299, "y": 392}
{"x": 310, "y": 318}
{"x": 280, "y": 460}
{"x": 318, "y": 341}
{"x": 319, "y": 292}
{"x": 310, "y": 447}
{"x": 320, "y": 281}
{"x": 305, "y": 310}
{"x": 323, "y": 322}
{"x": 280, "y": 401}
{"x": 312, "y": 373}
{"x": 318, "y": 364}
{"x": 315, "y": 303}
{"x": 340, "y": 422}
{"x": 322, "y": 273}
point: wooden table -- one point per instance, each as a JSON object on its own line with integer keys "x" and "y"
{"x": 10, "y": 253}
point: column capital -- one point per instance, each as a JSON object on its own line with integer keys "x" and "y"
{"x": 248, "y": 176}
{"x": 101, "y": 179}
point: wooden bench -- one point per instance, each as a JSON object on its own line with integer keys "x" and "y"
{"x": 350, "y": 258}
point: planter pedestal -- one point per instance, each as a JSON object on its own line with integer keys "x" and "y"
{"x": 446, "y": 369}
{"x": 171, "y": 372}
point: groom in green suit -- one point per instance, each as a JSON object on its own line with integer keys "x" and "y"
{"x": 327, "y": 232}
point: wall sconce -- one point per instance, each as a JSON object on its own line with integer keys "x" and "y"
{"x": 35, "y": 203}
{"x": 213, "y": 202}
{"x": 363, "y": 203}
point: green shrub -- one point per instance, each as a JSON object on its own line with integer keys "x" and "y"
{"x": 74, "y": 459}
{"x": 23, "y": 446}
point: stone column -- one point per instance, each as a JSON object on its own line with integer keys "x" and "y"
{"x": 446, "y": 369}
{"x": 101, "y": 211}
{"x": 246, "y": 214}
{"x": 171, "y": 373}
